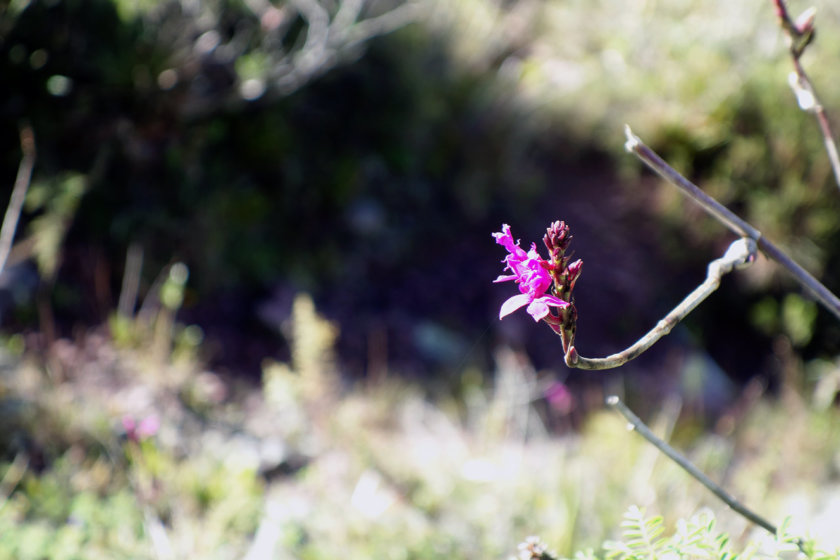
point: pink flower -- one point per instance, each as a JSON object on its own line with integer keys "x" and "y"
{"x": 532, "y": 273}
{"x": 147, "y": 427}
{"x": 559, "y": 397}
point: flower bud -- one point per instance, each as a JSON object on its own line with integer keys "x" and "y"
{"x": 557, "y": 239}
{"x": 805, "y": 22}
{"x": 574, "y": 271}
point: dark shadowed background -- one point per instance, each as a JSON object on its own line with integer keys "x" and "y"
{"x": 366, "y": 157}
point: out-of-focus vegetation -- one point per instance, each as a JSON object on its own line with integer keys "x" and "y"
{"x": 225, "y": 156}
{"x": 298, "y": 468}
{"x": 194, "y": 130}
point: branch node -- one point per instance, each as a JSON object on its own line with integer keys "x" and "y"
{"x": 633, "y": 141}
{"x": 741, "y": 253}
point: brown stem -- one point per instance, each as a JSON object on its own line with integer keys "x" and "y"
{"x": 799, "y": 40}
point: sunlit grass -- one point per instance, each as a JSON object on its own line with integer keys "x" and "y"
{"x": 294, "y": 471}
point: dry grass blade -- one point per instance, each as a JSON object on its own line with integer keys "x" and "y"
{"x": 24, "y": 176}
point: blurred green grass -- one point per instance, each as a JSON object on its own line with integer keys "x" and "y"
{"x": 300, "y": 468}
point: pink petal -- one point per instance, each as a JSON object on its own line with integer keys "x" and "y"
{"x": 129, "y": 424}
{"x": 513, "y": 304}
{"x": 554, "y": 301}
{"x": 560, "y": 398}
{"x": 538, "y": 309}
{"x": 505, "y": 239}
{"x": 148, "y": 427}
{"x": 504, "y": 278}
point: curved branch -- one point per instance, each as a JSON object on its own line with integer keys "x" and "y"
{"x": 731, "y": 221}
{"x": 741, "y": 253}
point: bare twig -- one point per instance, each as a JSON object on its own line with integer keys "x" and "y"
{"x": 131, "y": 280}
{"x": 733, "y": 222}
{"x": 800, "y": 34}
{"x": 383, "y": 24}
{"x": 24, "y": 176}
{"x": 614, "y": 402}
{"x": 717, "y": 210}
{"x": 741, "y": 253}
{"x": 331, "y": 33}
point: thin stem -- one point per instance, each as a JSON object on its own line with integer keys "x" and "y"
{"x": 800, "y": 34}
{"x": 687, "y": 466}
{"x": 131, "y": 280}
{"x": 24, "y": 176}
{"x": 716, "y": 209}
{"x": 740, "y": 253}
{"x": 803, "y": 83}
{"x": 828, "y": 140}
{"x": 732, "y": 221}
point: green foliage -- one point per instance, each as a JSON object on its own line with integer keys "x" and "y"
{"x": 52, "y": 517}
{"x": 795, "y": 316}
{"x": 697, "y": 538}
{"x": 641, "y": 537}
{"x": 56, "y": 202}
{"x": 798, "y": 316}
{"x": 375, "y": 472}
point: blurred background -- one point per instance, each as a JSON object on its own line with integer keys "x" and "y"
{"x": 255, "y": 259}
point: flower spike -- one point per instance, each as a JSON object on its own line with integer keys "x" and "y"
{"x": 543, "y": 284}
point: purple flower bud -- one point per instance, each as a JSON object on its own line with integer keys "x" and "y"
{"x": 574, "y": 270}
{"x": 557, "y": 239}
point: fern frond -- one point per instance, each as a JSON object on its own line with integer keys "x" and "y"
{"x": 587, "y": 554}
{"x": 696, "y": 538}
{"x": 618, "y": 550}
{"x": 642, "y": 537}
{"x": 785, "y": 540}
{"x": 642, "y": 534}
{"x": 699, "y": 539}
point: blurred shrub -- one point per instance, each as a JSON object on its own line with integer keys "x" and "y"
{"x": 340, "y": 181}
{"x": 56, "y": 203}
{"x": 300, "y": 468}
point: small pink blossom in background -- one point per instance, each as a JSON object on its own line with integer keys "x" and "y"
{"x": 559, "y": 397}
{"x": 147, "y": 427}
{"x": 531, "y": 273}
